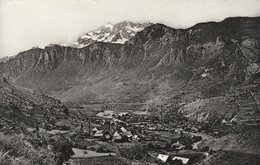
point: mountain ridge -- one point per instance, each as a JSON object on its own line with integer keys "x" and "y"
{"x": 159, "y": 65}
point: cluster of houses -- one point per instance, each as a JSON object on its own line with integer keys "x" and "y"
{"x": 121, "y": 134}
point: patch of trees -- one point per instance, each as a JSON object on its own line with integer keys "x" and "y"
{"x": 63, "y": 150}
{"x": 134, "y": 153}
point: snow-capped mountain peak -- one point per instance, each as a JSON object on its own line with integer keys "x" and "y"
{"x": 117, "y": 33}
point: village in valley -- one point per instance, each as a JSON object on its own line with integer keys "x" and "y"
{"x": 130, "y": 82}
{"x": 128, "y": 137}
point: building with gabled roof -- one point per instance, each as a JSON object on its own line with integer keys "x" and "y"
{"x": 99, "y": 133}
{"x": 123, "y": 129}
{"x": 117, "y": 137}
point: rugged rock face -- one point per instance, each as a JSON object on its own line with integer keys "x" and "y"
{"x": 159, "y": 65}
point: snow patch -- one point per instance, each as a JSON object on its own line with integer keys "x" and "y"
{"x": 135, "y": 29}
{"x": 74, "y": 45}
{"x": 85, "y": 37}
{"x": 121, "y": 41}
{"x": 109, "y": 26}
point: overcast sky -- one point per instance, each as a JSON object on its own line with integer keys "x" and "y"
{"x": 28, "y": 23}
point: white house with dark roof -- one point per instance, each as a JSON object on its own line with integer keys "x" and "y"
{"x": 163, "y": 157}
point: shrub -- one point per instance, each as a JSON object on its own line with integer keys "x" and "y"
{"x": 101, "y": 150}
{"x": 197, "y": 138}
{"x": 134, "y": 153}
{"x": 205, "y": 149}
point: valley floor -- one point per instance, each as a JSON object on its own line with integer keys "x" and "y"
{"x": 143, "y": 138}
{"x": 112, "y": 136}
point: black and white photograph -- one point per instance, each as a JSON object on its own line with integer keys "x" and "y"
{"x": 129, "y": 82}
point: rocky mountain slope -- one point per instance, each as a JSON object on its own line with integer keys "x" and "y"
{"x": 202, "y": 67}
{"x": 20, "y": 105}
